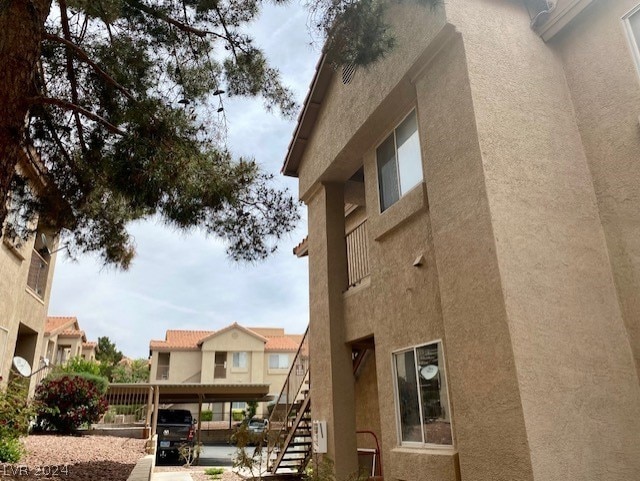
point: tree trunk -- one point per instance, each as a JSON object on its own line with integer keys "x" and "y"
{"x": 21, "y": 30}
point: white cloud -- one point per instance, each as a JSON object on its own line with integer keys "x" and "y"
{"x": 185, "y": 281}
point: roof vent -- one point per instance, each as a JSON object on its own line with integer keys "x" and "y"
{"x": 348, "y": 72}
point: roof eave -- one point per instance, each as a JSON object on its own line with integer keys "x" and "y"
{"x": 307, "y": 117}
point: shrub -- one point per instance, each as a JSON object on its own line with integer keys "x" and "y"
{"x": 237, "y": 414}
{"x": 77, "y": 365}
{"x": 11, "y": 450}
{"x": 101, "y": 382}
{"x": 16, "y": 411}
{"x": 68, "y": 402}
{"x": 206, "y": 415}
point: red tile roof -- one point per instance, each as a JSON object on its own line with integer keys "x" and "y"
{"x": 180, "y": 340}
{"x": 59, "y": 323}
{"x": 281, "y": 343}
{"x": 89, "y": 345}
{"x": 184, "y": 340}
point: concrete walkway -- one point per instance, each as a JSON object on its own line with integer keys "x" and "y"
{"x": 171, "y": 477}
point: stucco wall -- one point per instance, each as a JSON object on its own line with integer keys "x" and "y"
{"x": 18, "y": 304}
{"x": 576, "y": 376}
{"x": 184, "y": 366}
{"x": 520, "y": 250}
{"x": 605, "y": 90}
{"x": 347, "y": 108}
{"x": 234, "y": 340}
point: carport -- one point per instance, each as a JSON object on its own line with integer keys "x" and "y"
{"x": 163, "y": 393}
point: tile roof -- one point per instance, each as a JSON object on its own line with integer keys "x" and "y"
{"x": 89, "y": 344}
{"x": 187, "y": 340}
{"x": 56, "y": 323}
{"x": 235, "y": 325}
{"x": 180, "y": 340}
{"x": 267, "y": 331}
{"x": 282, "y": 343}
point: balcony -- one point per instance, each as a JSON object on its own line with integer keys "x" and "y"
{"x": 163, "y": 373}
{"x": 357, "y": 254}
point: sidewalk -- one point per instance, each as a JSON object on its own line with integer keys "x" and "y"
{"x": 171, "y": 477}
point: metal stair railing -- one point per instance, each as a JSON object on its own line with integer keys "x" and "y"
{"x": 297, "y": 377}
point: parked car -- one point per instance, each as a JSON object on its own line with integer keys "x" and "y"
{"x": 256, "y": 428}
{"x": 174, "y": 429}
{"x": 258, "y": 425}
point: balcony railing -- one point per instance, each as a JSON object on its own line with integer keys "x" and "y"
{"x": 357, "y": 254}
{"x": 38, "y": 271}
{"x": 163, "y": 373}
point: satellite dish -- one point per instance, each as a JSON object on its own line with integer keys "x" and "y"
{"x": 22, "y": 366}
{"x": 429, "y": 372}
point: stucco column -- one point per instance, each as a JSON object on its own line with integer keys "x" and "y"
{"x": 332, "y": 386}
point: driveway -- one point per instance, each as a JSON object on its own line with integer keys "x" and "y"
{"x": 217, "y": 455}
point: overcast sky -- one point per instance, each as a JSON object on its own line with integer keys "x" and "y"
{"x": 185, "y": 281}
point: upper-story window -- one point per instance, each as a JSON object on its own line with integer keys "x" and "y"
{"x": 631, "y": 23}
{"x": 240, "y": 360}
{"x": 422, "y": 396}
{"x": 278, "y": 361}
{"x": 399, "y": 162}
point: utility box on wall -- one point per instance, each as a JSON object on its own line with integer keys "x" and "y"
{"x": 319, "y": 436}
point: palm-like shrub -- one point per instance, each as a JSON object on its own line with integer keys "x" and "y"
{"x": 68, "y": 402}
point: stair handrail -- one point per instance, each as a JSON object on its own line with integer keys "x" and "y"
{"x": 298, "y": 374}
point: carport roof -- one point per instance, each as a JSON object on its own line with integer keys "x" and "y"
{"x": 192, "y": 392}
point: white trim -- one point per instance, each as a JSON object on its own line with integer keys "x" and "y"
{"x": 412, "y": 110}
{"x": 632, "y": 41}
{"x": 560, "y": 19}
{"x": 413, "y": 444}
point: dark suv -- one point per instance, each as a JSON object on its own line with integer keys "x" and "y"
{"x": 175, "y": 429}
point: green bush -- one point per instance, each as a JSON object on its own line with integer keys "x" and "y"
{"x": 237, "y": 414}
{"x": 206, "y": 415}
{"x": 68, "y": 402}
{"x": 16, "y": 411}
{"x": 11, "y": 450}
{"x": 77, "y": 365}
{"x": 102, "y": 383}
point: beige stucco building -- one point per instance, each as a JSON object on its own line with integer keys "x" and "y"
{"x": 234, "y": 355}
{"x": 63, "y": 340}
{"x": 26, "y": 273}
{"x": 474, "y": 227}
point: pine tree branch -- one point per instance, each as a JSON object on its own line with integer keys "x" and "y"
{"x": 176, "y": 23}
{"x": 79, "y": 110}
{"x": 85, "y": 58}
{"x": 71, "y": 71}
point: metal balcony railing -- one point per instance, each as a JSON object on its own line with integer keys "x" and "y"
{"x": 357, "y": 254}
{"x": 38, "y": 272}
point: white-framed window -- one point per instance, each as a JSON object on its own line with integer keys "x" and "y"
{"x": 631, "y": 22}
{"x": 399, "y": 162}
{"x": 239, "y": 360}
{"x": 278, "y": 361}
{"x": 422, "y": 400}
{"x": 239, "y": 405}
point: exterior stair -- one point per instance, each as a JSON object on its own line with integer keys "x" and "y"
{"x": 289, "y": 448}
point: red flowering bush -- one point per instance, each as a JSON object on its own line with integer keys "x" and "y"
{"x": 65, "y": 403}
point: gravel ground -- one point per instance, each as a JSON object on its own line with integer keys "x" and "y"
{"x": 197, "y": 473}
{"x": 75, "y": 458}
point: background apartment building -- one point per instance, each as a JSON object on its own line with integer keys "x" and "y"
{"x": 26, "y": 273}
{"x": 474, "y": 243}
{"x": 235, "y": 355}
